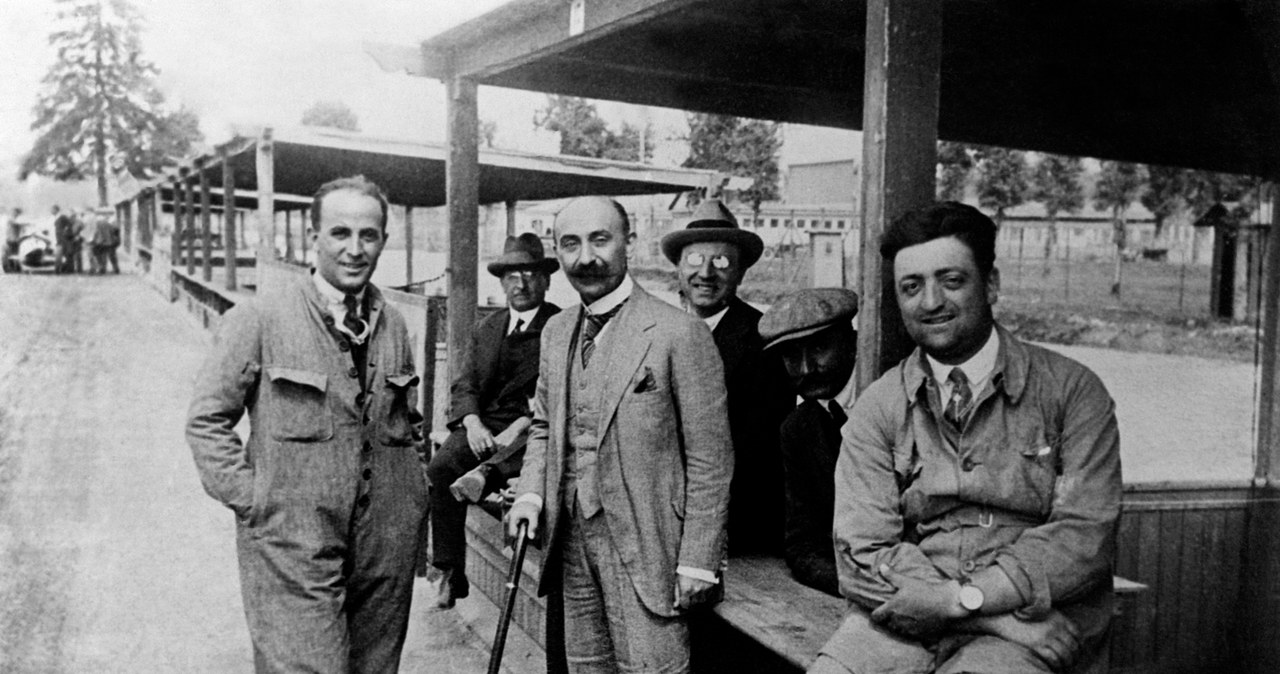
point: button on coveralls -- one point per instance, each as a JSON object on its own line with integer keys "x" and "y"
{"x": 328, "y": 492}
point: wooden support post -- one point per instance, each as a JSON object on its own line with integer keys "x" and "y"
{"x": 127, "y": 236}
{"x": 229, "y": 245}
{"x": 288, "y": 236}
{"x": 408, "y": 245}
{"x": 154, "y": 204}
{"x": 178, "y": 220}
{"x": 900, "y": 131}
{"x": 1267, "y": 461}
{"x": 266, "y": 202}
{"x": 305, "y": 226}
{"x": 462, "y": 186}
{"x": 511, "y": 216}
{"x": 206, "y": 233}
{"x": 144, "y": 212}
{"x": 190, "y": 211}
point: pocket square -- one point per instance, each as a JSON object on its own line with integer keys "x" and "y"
{"x": 646, "y": 383}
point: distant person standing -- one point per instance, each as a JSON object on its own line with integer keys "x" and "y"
{"x": 64, "y": 235}
{"x": 105, "y": 239}
{"x": 12, "y": 235}
{"x": 328, "y": 492}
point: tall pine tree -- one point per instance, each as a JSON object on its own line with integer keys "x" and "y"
{"x": 99, "y": 105}
{"x": 1002, "y": 180}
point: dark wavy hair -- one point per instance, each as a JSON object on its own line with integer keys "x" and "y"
{"x": 947, "y": 218}
{"x": 358, "y": 184}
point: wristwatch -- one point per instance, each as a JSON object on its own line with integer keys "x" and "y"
{"x": 971, "y": 598}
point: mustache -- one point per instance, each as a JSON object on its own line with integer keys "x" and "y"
{"x": 589, "y": 270}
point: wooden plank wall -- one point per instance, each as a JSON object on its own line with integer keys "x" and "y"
{"x": 1185, "y": 542}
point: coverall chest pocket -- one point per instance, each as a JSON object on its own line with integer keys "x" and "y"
{"x": 1037, "y": 465}
{"x": 300, "y": 411}
{"x": 398, "y": 431}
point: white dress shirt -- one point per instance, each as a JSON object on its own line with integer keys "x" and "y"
{"x": 335, "y": 302}
{"x": 977, "y": 369}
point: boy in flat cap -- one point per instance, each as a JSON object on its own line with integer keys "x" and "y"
{"x": 489, "y": 406}
{"x": 712, "y": 254}
{"x": 812, "y": 331}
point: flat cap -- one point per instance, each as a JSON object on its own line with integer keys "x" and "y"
{"x": 805, "y": 312}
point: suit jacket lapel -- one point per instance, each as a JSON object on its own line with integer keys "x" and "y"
{"x": 488, "y": 345}
{"x": 624, "y": 350}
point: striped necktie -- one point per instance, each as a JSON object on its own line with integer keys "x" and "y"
{"x": 961, "y": 397}
{"x": 352, "y": 321}
{"x": 592, "y": 324}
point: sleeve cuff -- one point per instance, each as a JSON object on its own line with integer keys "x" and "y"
{"x": 533, "y": 498}
{"x": 691, "y": 572}
{"x": 1033, "y": 586}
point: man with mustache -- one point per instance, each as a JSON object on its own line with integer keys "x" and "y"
{"x": 328, "y": 491}
{"x": 812, "y": 332}
{"x": 627, "y": 469}
{"x": 489, "y": 407}
{"x": 712, "y": 254}
{"x": 978, "y": 484}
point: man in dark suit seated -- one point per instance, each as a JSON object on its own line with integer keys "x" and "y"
{"x": 489, "y": 407}
{"x": 712, "y": 254}
{"x": 812, "y": 332}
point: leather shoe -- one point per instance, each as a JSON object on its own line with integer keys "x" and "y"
{"x": 470, "y": 487}
{"x": 453, "y": 586}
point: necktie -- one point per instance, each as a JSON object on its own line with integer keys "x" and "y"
{"x": 352, "y": 321}
{"x": 591, "y": 326}
{"x": 837, "y": 413}
{"x": 961, "y": 397}
{"x": 519, "y": 326}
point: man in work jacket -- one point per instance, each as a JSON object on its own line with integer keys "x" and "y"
{"x": 978, "y": 483}
{"x": 328, "y": 492}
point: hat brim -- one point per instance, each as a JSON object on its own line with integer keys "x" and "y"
{"x": 750, "y": 247}
{"x": 501, "y": 266}
{"x": 798, "y": 334}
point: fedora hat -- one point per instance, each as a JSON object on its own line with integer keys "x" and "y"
{"x": 523, "y": 252}
{"x": 713, "y": 222}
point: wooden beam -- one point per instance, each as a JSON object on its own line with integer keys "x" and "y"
{"x": 206, "y": 233}
{"x": 511, "y": 217}
{"x": 900, "y": 119}
{"x": 288, "y": 235}
{"x": 462, "y": 186}
{"x": 505, "y": 39}
{"x": 266, "y": 170}
{"x": 408, "y": 244}
{"x": 229, "y": 245}
{"x": 1266, "y": 468}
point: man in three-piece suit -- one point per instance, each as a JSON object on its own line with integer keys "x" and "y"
{"x": 629, "y": 458}
{"x": 489, "y": 406}
{"x": 711, "y": 255}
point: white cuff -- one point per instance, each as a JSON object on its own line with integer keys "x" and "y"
{"x": 529, "y": 497}
{"x": 698, "y": 574}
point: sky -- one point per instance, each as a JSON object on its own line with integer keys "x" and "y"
{"x": 261, "y": 62}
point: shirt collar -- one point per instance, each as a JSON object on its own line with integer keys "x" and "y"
{"x": 517, "y": 316}
{"x": 613, "y": 298}
{"x": 331, "y": 294}
{"x": 977, "y": 369}
{"x": 1009, "y": 371}
{"x": 713, "y": 320}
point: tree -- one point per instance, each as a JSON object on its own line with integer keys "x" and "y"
{"x": 1002, "y": 179}
{"x": 738, "y": 147}
{"x": 1119, "y": 185}
{"x": 1056, "y": 184}
{"x": 1167, "y": 192}
{"x": 585, "y": 134}
{"x": 955, "y": 162}
{"x": 331, "y": 114}
{"x": 99, "y": 104}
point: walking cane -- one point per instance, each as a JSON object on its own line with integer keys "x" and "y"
{"x": 513, "y": 582}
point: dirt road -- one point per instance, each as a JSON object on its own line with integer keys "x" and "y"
{"x": 112, "y": 559}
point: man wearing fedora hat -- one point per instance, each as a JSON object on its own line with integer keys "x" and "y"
{"x": 812, "y": 332}
{"x": 489, "y": 406}
{"x": 712, "y": 254}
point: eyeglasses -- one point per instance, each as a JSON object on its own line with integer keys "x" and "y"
{"x": 525, "y": 275}
{"x": 698, "y": 259}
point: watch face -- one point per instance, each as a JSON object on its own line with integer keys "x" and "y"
{"x": 971, "y": 597}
